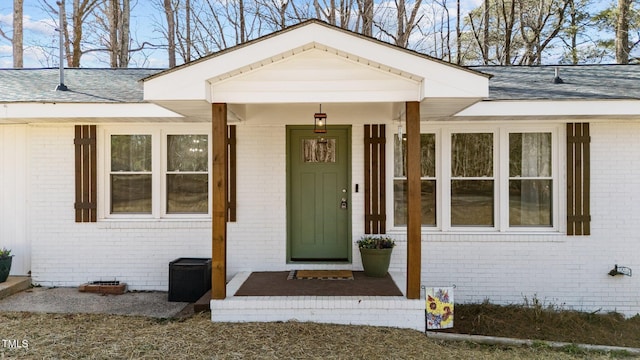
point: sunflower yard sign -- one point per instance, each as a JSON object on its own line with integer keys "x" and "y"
{"x": 439, "y": 308}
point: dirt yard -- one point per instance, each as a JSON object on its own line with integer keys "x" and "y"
{"x": 66, "y": 336}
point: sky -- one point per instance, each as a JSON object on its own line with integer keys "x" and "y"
{"x": 40, "y": 33}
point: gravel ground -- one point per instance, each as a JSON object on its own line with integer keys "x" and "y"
{"x": 70, "y": 300}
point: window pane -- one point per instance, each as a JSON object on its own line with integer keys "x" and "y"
{"x": 428, "y": 188}
{"x": 472, "y": 155}
{"x": 130, "y": 152}
{"x": 472, "y": 203}
{"x": 530, "y": 202}
{"x": 187, "y": 193}
{"x": 187, "y": 152}
{"x": 530, "y": 154}
{"x": 131, "y": 194}
{"x": 319, "y": 150}
{"x": 427, "y": 156}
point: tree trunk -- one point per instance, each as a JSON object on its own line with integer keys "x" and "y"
{"x": 458, "y": 35}
{"x": 485, "y": 33}
{"x": 622, "y": 32}
{"x": 187, "y": 15}
{"x": 574, "y": 33}
{"x": 17, "y": 40}
{"x": 119, "y": 14}
{"x": 113, "y": 32}
{"x": 123, "y": 29}
{"x": 243, "y": 33}
{"x": 367, "y": 17}
{"x": 171, "y": 33}
{"x": 64, "y": 27}
{"x": 509, "y": 22}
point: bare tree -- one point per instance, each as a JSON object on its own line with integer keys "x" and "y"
{"x": 365, "y": 9}
{"x": 118, "y": 13}
{"x": 624, "y": 21}
{"x": 171, "y": 32}
{"x": 18, "y": 35}
{"x": 622, "y": 32}
{"x": 485, "y": 32}
{"x": 508, "y": 32}
{"x": 82, "y": 10}
{"x": 540, "y": 22}
{"x": 274, "y": 13}
{"x": 398, "y": 24}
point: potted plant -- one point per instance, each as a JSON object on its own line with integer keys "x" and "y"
{"x": 375, "y": 252}
{"x": 5, "y": 264}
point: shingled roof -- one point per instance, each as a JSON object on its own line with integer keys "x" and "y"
{"x": 88, "y": 85}
{"x": 580, "y": 82}
{"x": 85, "y": 85}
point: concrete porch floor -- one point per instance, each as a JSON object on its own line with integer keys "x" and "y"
{"x": 393, "y": 311}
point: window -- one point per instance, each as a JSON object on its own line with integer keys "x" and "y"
{"x": 187, "y": 178}
{"x": 131, "y": 174}
{"x": 157, "y": 174}
{"x": 427, "y": 180}
{"x": 472, "y": 181}
{"x": 530, "y": 181}
{"x": 502, "y": 179}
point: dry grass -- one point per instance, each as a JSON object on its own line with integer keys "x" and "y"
{"x": 547, "y": 322}
{"x": 196, "y": 337}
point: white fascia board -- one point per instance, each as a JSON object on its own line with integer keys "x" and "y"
{"x": 516, "y": 108}
{"x": 452, "y": 83}
{"x": 189, "y": 82}
{"x": 83, "y": 110}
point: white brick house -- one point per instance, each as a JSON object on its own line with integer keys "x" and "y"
{"x": 495, "y": 212}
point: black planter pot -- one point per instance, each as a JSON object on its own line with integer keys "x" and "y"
{"x": 5, "y": 268}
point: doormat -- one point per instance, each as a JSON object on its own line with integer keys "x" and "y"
{"x": 320, "y": 274}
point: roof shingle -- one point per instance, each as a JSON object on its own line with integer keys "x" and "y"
{"x": 85, "y": 85}
{"x": 580, "y": 82}
{"x": 88, "y": 85}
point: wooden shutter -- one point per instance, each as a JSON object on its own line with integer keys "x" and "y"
{"x": 374, "y": 180}
{"x": 578, "y": 179}
{"x": 231, "y": 173}
{"x": 86, "y": 192}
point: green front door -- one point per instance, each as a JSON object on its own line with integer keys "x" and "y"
{"x": 318, "y": 194}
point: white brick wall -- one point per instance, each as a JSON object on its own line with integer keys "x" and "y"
{"x": 66, "y": 253}
{"x": 504, "y": 268}
{"x": 13, "y": 196}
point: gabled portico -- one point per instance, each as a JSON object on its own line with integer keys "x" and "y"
{"x": 291, "y": 72}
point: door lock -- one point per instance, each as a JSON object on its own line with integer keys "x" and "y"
{"x": 343, "y": 203}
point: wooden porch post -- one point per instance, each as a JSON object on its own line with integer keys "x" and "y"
{"x": 219, "y": 198}
{"x": 414, "y": 251}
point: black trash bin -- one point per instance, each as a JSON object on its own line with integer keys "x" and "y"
{"x": 189, "y": 279}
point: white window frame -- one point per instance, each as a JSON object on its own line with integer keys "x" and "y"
{"x": 447, "y": 178}
{"x": 159, "y": 133}
{"x": 435, "y": 178}
{"x": 443, "y": 179}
